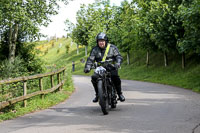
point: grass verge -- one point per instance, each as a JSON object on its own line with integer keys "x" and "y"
{"x": 36, "y": 103}
{"x": 54, "y": 59}
{"x": 173, "y": 74}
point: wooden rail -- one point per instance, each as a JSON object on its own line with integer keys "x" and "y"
{"x": 42, "y": 92}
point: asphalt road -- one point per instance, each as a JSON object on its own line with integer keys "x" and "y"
{"x": 149, "y": 108}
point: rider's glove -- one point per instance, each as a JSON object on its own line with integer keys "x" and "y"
{"x": 86, "y": 70}
{"x": 117, "y": 65}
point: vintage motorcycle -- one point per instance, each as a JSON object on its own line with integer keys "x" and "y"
{"x": 106, "y": 89}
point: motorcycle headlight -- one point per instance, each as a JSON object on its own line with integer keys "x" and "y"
{"x": 100, "y": 70}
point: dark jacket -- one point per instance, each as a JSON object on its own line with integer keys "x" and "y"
{"x": 97, "y": 54}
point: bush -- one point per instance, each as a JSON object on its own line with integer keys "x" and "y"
{"x": 25, "y": 63}
{"x": 17, "y": 69}
{"x": 31, "y": 61}
{"x": 11, "y": 70}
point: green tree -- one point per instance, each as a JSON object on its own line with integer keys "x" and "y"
{"x": 27, "y": 16}
{"x": 80, "y": 32}
{"x": 143, "y": 29}
{"x": 163, "y": 25}
{"x": 127, "y": 28}
{"x": 189, "y": 14}
{"x": 91, "y": 20}
{"x": 69, "y": 27}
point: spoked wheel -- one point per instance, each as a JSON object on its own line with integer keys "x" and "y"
{"x": 103, "y": 101}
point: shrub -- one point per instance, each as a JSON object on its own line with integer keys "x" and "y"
{"x": 26, "y": 62}
{"x": 11, "y": 70}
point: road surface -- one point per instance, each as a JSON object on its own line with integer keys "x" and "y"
{"x": 149, "y": 108}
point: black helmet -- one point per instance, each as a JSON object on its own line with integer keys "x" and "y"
{"x": 101, "y": 36}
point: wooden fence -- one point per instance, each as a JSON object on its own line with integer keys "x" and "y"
{"x": 60, "y": 74}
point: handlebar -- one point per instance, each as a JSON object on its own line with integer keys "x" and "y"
{"x": 105, "y": 63}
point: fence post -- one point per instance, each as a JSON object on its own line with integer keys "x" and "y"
{"x": 58, "y": 77}
{"x": 63, "y": 74}
{"x": 2, "y": 89}
{"x": 41, "y": 87}
{"x": 63, "y": 77}
{"x": 52, "y": 82}
{"x": 24, "y": 81}
{"x": 25, "y": 92}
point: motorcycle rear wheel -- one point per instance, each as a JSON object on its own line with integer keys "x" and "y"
{"x": 113, "y": 103}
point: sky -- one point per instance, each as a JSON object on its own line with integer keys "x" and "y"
{"x": 56, "y": 27}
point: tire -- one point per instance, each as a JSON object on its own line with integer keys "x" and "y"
{"x": 113, "y": 98}
{"x": 103, "y": 101}
{"x": 113, "y": 104}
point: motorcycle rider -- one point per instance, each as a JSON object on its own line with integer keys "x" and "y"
{"x": 97, "y": 55}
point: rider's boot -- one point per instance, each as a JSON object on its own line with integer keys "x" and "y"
{"x": 121, "y": 97}
{"x": 117, "y": 82}
{"x": 96, "y": 91}
{"x": 95, "y": 99}
{"x": 119, "y": 92}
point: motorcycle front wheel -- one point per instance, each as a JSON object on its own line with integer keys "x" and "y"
{"x": 103, "y": 100}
